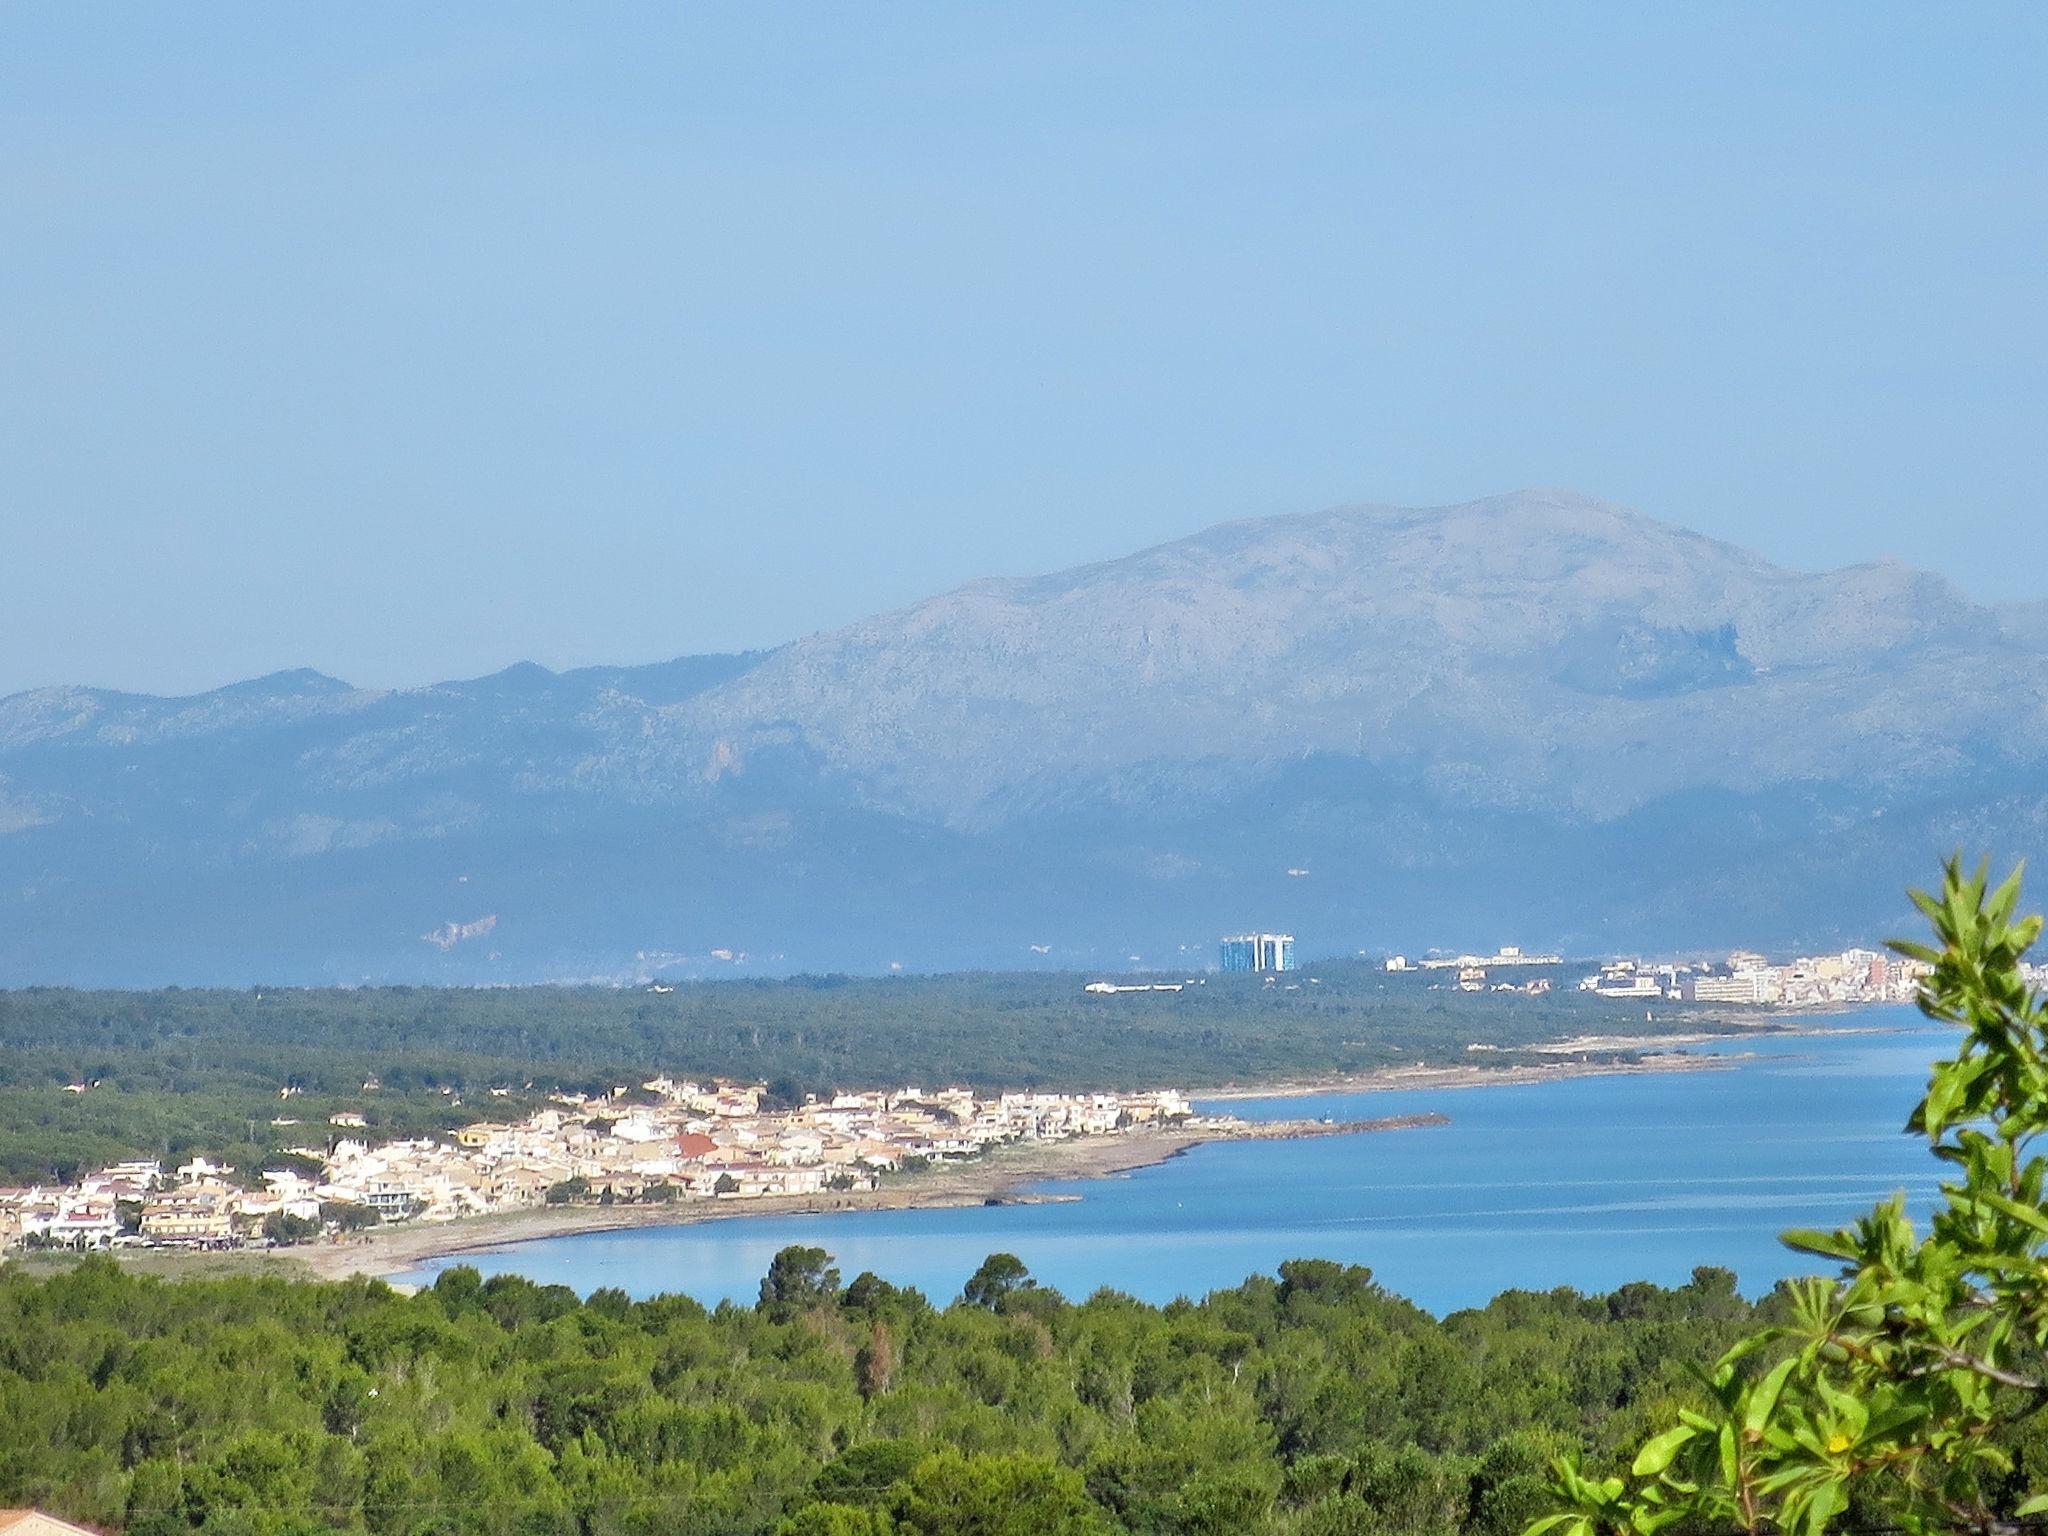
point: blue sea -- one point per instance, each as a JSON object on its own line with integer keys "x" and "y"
{"x": 1583, "y": 1182}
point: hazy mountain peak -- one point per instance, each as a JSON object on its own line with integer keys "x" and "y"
{"x": 1538, "y": 518}
{"x": 1538, "y": 700}
{"x": 1483, "y": 628}
{"x": 295, "y": 682}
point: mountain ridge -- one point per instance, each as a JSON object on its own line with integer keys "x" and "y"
{"x": 1513, "y": 694}
{"x": 1174, "y": 614}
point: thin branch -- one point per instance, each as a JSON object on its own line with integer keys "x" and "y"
{"x": 1956, "y": 1359}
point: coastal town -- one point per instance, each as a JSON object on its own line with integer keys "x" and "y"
{"x": 662, "y": 1143}
{"x": 1850, "y": 978}
{"x": 665, "y": 1145}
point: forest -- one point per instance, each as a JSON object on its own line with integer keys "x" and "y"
{"x": 175, "y": 1071}
{"x": 1310, "y": 1403}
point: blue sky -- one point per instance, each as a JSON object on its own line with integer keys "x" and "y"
{"x": 407, "y": 342}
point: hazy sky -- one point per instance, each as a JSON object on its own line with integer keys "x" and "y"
{"x": 407, "y": 342}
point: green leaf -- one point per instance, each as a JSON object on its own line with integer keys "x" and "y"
{"x": 1658, "y": 1452}
{"x": 1763, "y": 1401}
{"x": 1827, "y": 1501}
{"x": 2032, "y": 1216}
{"x": 1829, "y": 1245}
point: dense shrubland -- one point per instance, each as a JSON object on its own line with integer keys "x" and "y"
{"x": 1312, "y": 1403}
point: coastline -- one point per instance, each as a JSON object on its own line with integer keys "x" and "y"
{"x": 1399, "y": 1079}
{"x": 998, "y": 1177}
{"x": 994, "y": 1178}
{"x": 1003, "y": 1176}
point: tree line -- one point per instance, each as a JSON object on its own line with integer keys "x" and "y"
{"x": 1310, "y": 1402}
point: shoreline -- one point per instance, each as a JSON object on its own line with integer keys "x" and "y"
{"x": 1457, "y": 1078}
{"x": 999, "y": 1177}
{"x": 996, "y": 1178}
{"x": 1576, "y": 1056}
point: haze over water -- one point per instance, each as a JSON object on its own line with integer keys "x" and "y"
{"x": 1587, "y": 1182}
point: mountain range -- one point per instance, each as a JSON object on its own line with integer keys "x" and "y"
{"x": 1536, "y": 718}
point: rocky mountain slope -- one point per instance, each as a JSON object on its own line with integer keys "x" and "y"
{"x": 1536, "y": 717}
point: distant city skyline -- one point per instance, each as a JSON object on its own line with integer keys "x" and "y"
{"x": 408, "y": 345}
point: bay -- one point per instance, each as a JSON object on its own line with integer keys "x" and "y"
{"x": 1585, "y": 1182}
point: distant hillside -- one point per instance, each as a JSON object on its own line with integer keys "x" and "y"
{"x": 1534, "y": 718}
{"x": 2026, "y": 623}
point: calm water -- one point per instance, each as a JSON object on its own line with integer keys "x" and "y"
{"x": 1589, "y": 1182}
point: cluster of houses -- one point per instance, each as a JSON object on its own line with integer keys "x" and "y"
{"x": 664, "y": 1141}
{"x": 195, "y": 1205}
{"x": 1853, "y": 976}
{"x": 1812, "y": 981}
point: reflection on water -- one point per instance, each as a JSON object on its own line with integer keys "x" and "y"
{"x": 1588, "y": 1182}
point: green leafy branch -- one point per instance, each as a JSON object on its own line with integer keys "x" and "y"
{"x": 1884, "y": 1396}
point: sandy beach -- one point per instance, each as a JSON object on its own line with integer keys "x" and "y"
{"x": 1393, "y": 1079}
